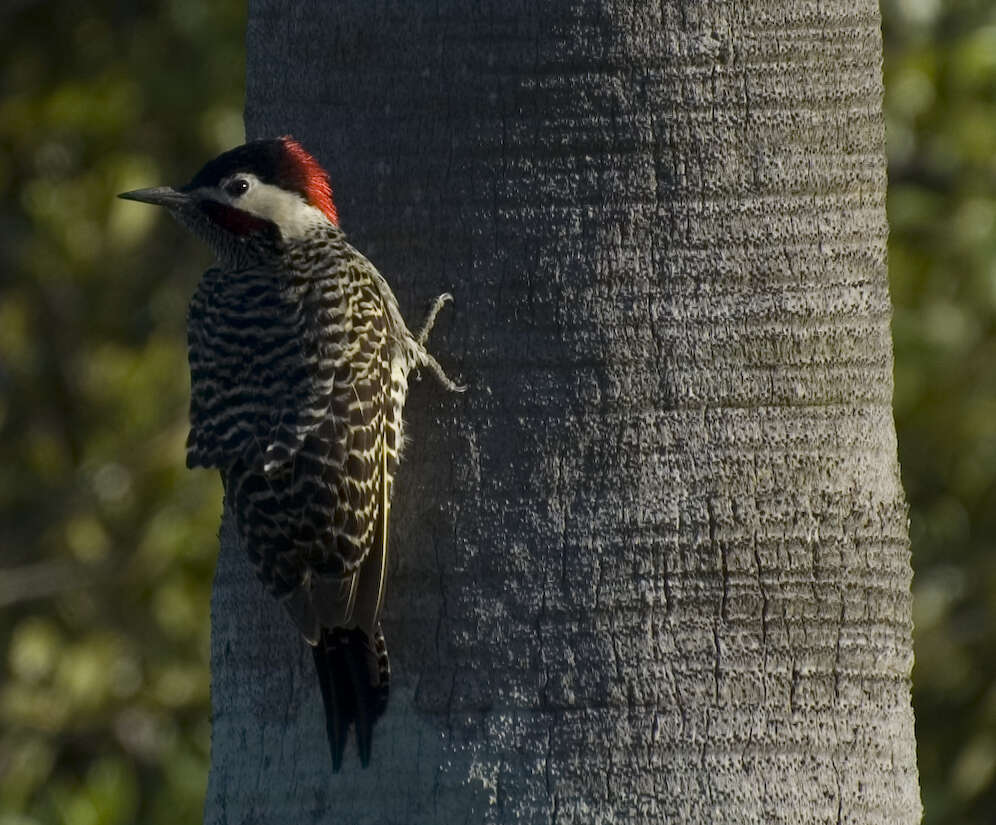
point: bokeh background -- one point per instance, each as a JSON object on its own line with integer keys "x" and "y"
{"x": 107, "y": 543}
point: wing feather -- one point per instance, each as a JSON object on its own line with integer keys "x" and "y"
{"x": 256, "y": 388}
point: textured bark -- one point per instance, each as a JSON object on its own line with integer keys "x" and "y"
{"x": 653, "y": 566}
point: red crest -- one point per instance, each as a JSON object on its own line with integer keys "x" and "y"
{"x": 307, "y": 176}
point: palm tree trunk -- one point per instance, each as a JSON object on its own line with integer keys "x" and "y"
{"x": 653, "y": 566}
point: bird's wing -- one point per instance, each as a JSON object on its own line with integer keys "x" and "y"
{"x": 362, "y": 407}
{"x": 350, "y": 655}
{"x": 372, "y": 575}
{"x": 256, "y": 391}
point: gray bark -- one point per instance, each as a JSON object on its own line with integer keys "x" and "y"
{"x": 653, "y": 566}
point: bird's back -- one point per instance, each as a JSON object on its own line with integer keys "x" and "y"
{"x": 291, "y": 400}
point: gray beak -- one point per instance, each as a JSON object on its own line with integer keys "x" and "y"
{"x": 158, "y": 195}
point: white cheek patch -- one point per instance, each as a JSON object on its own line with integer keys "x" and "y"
{"x": 292, "y": 214}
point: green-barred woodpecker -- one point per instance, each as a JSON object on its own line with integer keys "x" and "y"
{"x": 299, "y": 364}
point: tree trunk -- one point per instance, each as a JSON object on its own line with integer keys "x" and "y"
{"x": 653, "y": 566}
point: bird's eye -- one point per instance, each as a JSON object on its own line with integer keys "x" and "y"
{"x": 237, "y": 187}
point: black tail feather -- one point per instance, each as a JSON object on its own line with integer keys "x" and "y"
{"x": 335, "y": 700}
{"x": 354, "y": 688}
{"x": 363, "y": 719}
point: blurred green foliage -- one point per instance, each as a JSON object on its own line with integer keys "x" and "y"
{"x": 940, "y": 81}
{"x": 107, "y": 544}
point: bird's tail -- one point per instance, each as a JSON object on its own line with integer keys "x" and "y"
{"x": 355, "y": 678}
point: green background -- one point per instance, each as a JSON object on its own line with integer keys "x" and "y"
{"x": 107, "y": 543}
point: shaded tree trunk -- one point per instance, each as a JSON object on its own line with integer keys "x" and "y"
{"x": 653, "y": 566}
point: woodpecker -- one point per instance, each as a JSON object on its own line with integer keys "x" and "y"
{"x": 299, "y": 365}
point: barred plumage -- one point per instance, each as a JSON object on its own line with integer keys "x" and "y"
{"x": 299, "y": 362}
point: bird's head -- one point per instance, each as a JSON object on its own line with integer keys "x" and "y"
{"x": 263, "y": 193}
